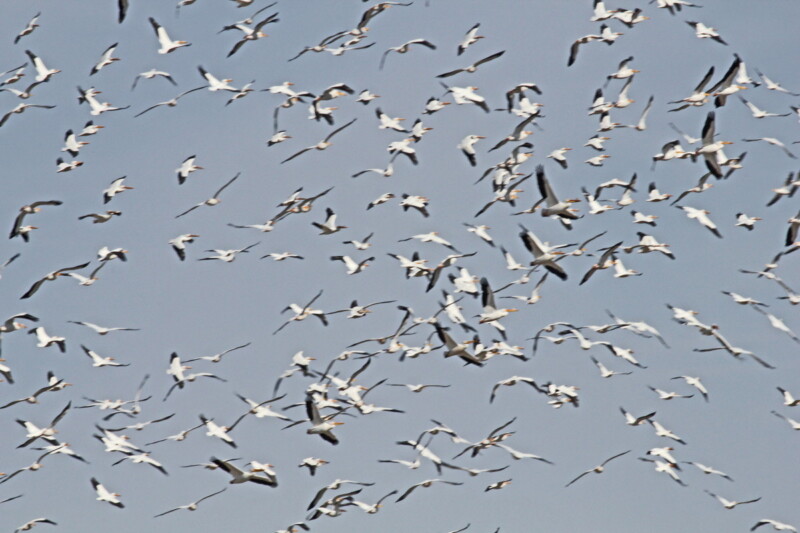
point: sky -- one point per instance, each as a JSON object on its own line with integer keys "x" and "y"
{"x": 199, "y": 308}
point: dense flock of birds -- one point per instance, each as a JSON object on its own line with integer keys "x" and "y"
{"x": 408, "y": 331}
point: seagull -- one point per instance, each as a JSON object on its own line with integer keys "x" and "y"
{"x": 598, "y": 469}
{"x": 104, "y": 495}
{"x": 192, "y": 506}
{"x": 166, "y": 44}
{"x": 403, "y": 48}
{"x": 214, "y": 200}
{"x": 322, "y": 145}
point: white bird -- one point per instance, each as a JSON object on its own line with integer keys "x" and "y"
{"x": 186, "y": 168}
{"x": 329, "y": 226}
{"x": 597, "y": 469}
{"x": 98, "y": 360}
{"x": 153, "y": 73}
{"x": 43, "y": 73}
{"x": 46, "y": 340}
{"x": 778, "y": 526}
{"x": 214, "y": 83}
{"x": 728, "y": 504}
{"x": 467, "y": 146}
{"x": 403, "y": 48}
{"x": 179, "y": 244}
{"x": 467, "y": 95}
{"x": 319, "y": 425}
{"x": 106, "y": 59}
{"x": 115, "y": 188}
{"x": 166, "y": 45}
{"x": 214, "y": 200}
{"x": 322, "y": 145}
{"x": 227, "y": 255}
{"x": 192, "y": 506}
{"x": 352, "y": 266}
{"x": 701, "y": 216}
{"x": 470, "y": 38}
{"x": 788, "y": 399}
{"x": 104, "y": 495}
{"x": 705, "y": 32}
{"x": 240, "y": 476}
{"x": 708, "y": 470}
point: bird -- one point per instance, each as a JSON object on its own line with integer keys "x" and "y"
{"x": 101, "y": 330}
{"x": 319, "y": 425}
{"x": 179, "y": 244}
{"x": 227, "y": 255}
{"x": 20, "y": 108}
{"x": 214, "y": 200}
{"x": 52, "y": 276}
{"x": 192, "y": 506}
{"x": 553, "y": 206}
{"x": 322, "y": 145}
{"x": 105, "y": 59}
{"x": 705, "y": 32}
{"x": 250, "y": 34}
{"x": 352, "y": 266}
{"x": 708, "y": 470}
{"x": 169, "y": 103}
{"x": 470, "y": 38}
{"x": 467, "y": 147}
{"x": 186, "y": 168}
{"x": 467, "y": 95}
{"x": 26, "y": 210}
{"x": 98, "y": 360}
{"x": 473, "y": 67}
{"x": 728, "y": 504}
{"x": 166, "y": 45}
{"x": 214, "y": 83}
{"x": 104, "y": 495}
{"x": 778, "y": 526}
{"x": 43, "y": 73}
{"x": 151, "y": 74}
{"x": 115, "y": 188}
{"x": 239, "y": 476}
{"x": 425, "y": 484}
{"x": 329, "y": 226}
{"x": 598, "y": 469}
{"x": 701, "y": 215}
{"x": 403, "y": 48}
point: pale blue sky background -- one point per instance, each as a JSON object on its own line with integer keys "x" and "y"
{"x": 200, "y": 308}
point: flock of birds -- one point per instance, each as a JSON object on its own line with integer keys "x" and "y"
{"x": 431, "y": 304}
